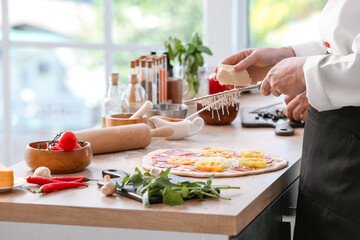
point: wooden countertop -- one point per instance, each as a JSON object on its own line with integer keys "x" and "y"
{"x": 88, "y": 207}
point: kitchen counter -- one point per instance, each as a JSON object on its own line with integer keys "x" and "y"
{"x": 88, "y": 207}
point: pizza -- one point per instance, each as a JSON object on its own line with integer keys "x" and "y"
{"x": 208, "y": 161}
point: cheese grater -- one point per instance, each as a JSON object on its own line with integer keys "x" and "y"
{"x": 220, "y": 100}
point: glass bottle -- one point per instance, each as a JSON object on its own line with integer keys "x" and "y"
{"x": 156, "y": 78}
{"x": 137, "y": 65}
{"x": 134, "y": 94}
{"x": 132, "y": 66}
{"x": 150, "y": 84}
{"x": 113, "y": 103}
{"x": 142, "y": 74}
{"x": 164, "y": 75}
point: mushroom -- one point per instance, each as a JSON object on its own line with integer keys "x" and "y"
{"x": 42, "y": 172}
{"x": 154, "y": 172}
{"x": 109, "y": 187}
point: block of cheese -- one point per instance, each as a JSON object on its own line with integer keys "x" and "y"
{"x": 6, "y": 177}
{"x": 226, "y": 75}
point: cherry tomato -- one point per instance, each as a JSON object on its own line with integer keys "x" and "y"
{"x": 215, "y": 87}
{"x": 55, "y": 147}
{"x": 77, "y": 146}
{"x": 68, "y": 141}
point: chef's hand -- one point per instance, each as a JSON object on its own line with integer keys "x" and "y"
{"x": 258, "y": 61}
{"x": 286, "y": 77}
{"x": 297, "y": 107}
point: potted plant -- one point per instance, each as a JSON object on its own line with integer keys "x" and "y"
{"x": 190, "y": 56}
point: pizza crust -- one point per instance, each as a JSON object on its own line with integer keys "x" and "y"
{"x": 147, "y": 163}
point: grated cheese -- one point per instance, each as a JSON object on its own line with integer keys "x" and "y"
{"x": 228, "y": 162}
{"x": 221, "y": 101}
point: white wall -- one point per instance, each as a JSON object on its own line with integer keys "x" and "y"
{"x": 225, "y": 28}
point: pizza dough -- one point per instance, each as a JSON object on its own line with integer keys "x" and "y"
{"x": 159, "y": 159}
{"x": 226, "y": 75}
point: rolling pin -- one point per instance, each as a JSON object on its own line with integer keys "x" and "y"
{"x": 121, "y": 138}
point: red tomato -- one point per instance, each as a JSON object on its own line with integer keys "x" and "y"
{"x": 55, "y": 147}
{"x": 68, "y": 141}
{"x": 214, "y": 85}
{"x": 77, "y": 146}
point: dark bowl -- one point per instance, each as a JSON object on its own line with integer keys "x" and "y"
{"x": 211, "y": 116}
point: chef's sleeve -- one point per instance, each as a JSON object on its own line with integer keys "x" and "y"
{"x": 333, "y": 81}
{"x": 309, "y": 49}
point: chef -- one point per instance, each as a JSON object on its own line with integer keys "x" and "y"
{"x": 328, "y": 72}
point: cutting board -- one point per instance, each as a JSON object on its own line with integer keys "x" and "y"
{"x": 129, "y": 191}
{"x": 283, "y": 126}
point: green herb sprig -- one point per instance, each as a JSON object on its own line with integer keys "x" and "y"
{"x": 172, "y": 194}
{"x": 189, "y": 55}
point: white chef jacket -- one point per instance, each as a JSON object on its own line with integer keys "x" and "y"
{"x": 333, "y": 80}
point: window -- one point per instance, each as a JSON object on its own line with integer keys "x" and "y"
{"x": 151, "y": 21}
{"x": 59, "y": 53}
{"x": 56, "y": 20}
{"x": 280, "y": 23}
{"x": 56, "y": 54}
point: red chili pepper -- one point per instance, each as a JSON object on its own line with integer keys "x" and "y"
{"x": 40, "y": 180}
{"x": 51, "y": 187}
{"x": 72, "y": 179}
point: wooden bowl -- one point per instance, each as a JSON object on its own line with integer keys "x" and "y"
{"x": 122, "y": 119}
{"x": 211, "y": 117}
{"x": 58, "y": 161}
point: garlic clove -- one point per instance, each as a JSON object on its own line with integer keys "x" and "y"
{"x": 154, "y": 172}
{"x": 42, "y": 172}
{"x": 108, "y": 189}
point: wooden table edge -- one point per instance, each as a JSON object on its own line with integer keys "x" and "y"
{"x": 117, "y": 218}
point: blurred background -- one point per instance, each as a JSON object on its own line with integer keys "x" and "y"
{"x": 56, "y": 54}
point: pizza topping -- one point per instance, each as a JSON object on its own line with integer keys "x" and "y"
{"x": 210, "y": 166}
{"x": 166, "y": 165}
{"x": 181, "y": 160}
{"x": 213, "y": 152}
{"x": 251, "y": 154}
{"x": 236, "y": 154}
{"x": 253, "y": 162}
{"x": 194, "y": 169}
{"x": 228, "y": 162}
{"x": 179, "y": 152}
{"x": 269, "y": 161}
{"x": 242, "y": 169}
{"x": 160, "y": 158}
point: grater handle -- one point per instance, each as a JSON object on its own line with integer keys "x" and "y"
{"x": 247, "y": 88}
